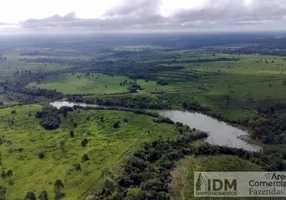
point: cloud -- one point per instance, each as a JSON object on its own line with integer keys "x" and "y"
{"x": 134, "y": 8}
{"x": 145, "y": 15}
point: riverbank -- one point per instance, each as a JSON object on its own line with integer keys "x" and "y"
{"x": 220, "y": 133}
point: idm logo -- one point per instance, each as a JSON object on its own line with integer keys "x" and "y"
{"x": 210, "y": 185}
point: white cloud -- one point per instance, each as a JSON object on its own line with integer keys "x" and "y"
{"x": 110, "y": 15}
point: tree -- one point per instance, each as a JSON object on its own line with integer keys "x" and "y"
{"x": 85, "y": 158}
{"x": 77, "y": 167}
{"x": 84, "y": 142}
{"x": 59, "y": 194}
{"x": 72, "y": 134}
{"x": 3, "y": 192}
{"x": 10, "y": 173}
{"x": 116, "y": 125}
{"x": 41, "y": 155}
{"x": 43, "y": 195}
{"x": 58, "y": 184}
{"x": 30, "y": 196}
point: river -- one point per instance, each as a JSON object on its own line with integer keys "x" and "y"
{"x": 220, "y": 133}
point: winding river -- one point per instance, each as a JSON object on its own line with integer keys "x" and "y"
{"x": 220, "y": 133}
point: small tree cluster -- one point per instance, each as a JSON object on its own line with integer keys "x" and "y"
{"x": 58, "y": 186}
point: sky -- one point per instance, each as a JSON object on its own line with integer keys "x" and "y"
{"x": 84, "y": 16}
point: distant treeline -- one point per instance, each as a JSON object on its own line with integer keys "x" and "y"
{"x": 257, "y": 49}
{"x": 199, "y": 60}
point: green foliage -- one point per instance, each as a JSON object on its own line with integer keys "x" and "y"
{"x": 30, "y": 196}
{"x": 41, "y": 155}
{"x": 106, "y": 148}
{"x": 271, "y": 127}
{"x": 71, "y": 133}
{"x": 58, "y": 185}
{"x": 43, "y": 195}
{"x": 116, "y": 125}
{"x": 9, "y": 173}
{"x": 140, "y": 170}
{"x": 59, "y": 194}
{"x": 3, "y": 192}
{"x": 84, "y": 142}
{"x": 135, "y": 101}
{"x": 84, "y": 158}
{"x": 50, "y": 117}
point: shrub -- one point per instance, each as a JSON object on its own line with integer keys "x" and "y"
{"x": 85, "y": 158}
{"x": 77, "y": 167}
{"x": 84, "y": 142}
{"x": 43, "y": 195}
{"x": 10, "y": 173}
{"x": 3, "y": 191}
{"x": 58, "y": 184}
{"x": 30, "y": 196}
{"x": 162, "y": 82}
{"x": 59, "y": 194}
{"x": 116, "y": 125}
{"x": 41, "y": 155}
{"x": 72, "y": 134}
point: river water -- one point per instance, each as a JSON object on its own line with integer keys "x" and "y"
{"x": 220, "y": 133}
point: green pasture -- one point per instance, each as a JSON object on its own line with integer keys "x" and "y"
{"x": 23, "y": 139}
{"x": 183, "y": 175}
{"x": 81, "y": 84}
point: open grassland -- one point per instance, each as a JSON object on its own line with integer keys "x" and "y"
{"x": 183, "y": 175}
{"x": 96, "y": 84}
{"x": 81, "y": 84}
{"x": 11, "y": 69}
{"x": 24, "y": 140}
{"x": 234, "y": 85}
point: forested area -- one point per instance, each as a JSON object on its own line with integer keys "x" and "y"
{"x": 147, "y": 172}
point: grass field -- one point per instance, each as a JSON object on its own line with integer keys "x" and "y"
{"x": 81, "y": 84}
{"x": 95, "y": 84}
{"x": 183, "y": 175}
{"x": 25, "y": 139}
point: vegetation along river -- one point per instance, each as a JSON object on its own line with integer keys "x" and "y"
{"x": 220, "y": 133}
